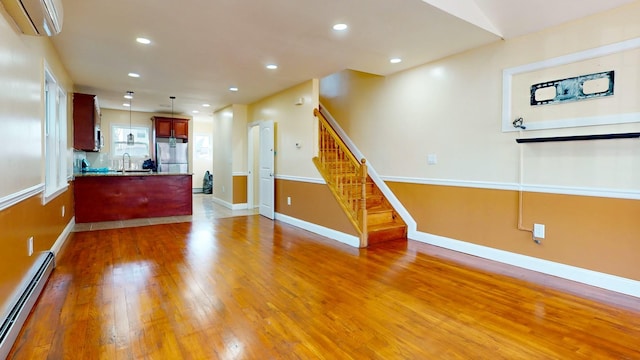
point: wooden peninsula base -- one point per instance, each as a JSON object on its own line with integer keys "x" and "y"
{"x": 118, "y": 196}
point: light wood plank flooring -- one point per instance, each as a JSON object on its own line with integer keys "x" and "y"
{"x": 249, "y": 288}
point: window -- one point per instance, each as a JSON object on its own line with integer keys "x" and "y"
{"x": 202, "y": 146}
{"x": 57, "y": 168}
{"x": 119, "y": 146}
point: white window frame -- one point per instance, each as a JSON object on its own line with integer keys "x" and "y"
{"x": 56, "y": 160}
{"x": 134, "y": 128}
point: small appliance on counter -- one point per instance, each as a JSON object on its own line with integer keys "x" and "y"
{"x": 172, "y": 159}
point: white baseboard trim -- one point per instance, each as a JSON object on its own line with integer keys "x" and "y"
{"x": 62, "y": 238}
{"x": 229, "y": 205}
{"x": 339, "y": 236}
{"x": 226, "y": 204}
{"x": 585, "y": 276}
{"x": 242, "y": 206}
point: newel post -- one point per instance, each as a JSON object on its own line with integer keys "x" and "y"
{"x": 363, "y": 181}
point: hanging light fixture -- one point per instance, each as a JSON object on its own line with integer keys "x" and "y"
{"x": 130, "y": 138}
{"x": 172, "y": 137}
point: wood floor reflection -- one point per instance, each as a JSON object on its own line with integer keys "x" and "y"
{"x": 250, "y": 288}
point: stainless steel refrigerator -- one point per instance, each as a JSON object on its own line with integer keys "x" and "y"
{"x": 172, "y": 159}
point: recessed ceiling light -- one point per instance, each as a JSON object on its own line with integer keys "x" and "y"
{"x": 126, "y": 104}
{"x": 272, "y": 66}
{"x": 340, "y": 27}
{"x": 395, "y": 60}
{"x": 233, "y": 88}
{"x": 195, "y": 111}
{"x": 128, "y": 96}
{"x": 142, "y": 40}
{"x": 205, "y": 105}
{"x": 134, "y": 75}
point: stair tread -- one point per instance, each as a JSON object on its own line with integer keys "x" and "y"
{"x": 387, "y": 225}
{"x": 379, "y": 210}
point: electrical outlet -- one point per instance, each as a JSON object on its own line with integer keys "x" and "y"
{"x": 538, "y": 231}
{"x": 222, "y": 188}
{"x": 288, "y": 200}
{"x": 30, "y": 246}
{"x": 62, "y": 210}
{"x": 432, "y": 159}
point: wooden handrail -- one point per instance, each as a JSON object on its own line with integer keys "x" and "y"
{"x": 336, "y": 137}
{"x": 345, "y": 175}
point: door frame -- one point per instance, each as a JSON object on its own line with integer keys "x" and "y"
{"x": 251, "y": 204}
{"x": 267, "y": 124}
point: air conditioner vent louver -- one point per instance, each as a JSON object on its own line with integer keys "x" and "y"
{"x": 36, "y": 17}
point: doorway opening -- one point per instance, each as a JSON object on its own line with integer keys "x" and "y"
{"x": 261, "y": 179}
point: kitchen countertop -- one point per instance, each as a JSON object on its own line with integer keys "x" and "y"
{"x": 128, "y": 173}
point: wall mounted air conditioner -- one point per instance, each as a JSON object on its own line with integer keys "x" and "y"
{"x": 36, "y": 17}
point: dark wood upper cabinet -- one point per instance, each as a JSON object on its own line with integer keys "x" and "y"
{"x": 164, "y": 126}
{"x": 86, "y": 122}
{"x": 181, "y": 128}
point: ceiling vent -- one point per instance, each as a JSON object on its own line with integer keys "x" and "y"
{"x": 36, "y": 17}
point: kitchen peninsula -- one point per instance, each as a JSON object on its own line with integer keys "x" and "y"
{"x": 131, "y": 195}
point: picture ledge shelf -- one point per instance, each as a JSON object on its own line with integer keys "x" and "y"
{"x": 579, "y": 138}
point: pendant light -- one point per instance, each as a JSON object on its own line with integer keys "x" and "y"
{"x": 130, "y": 138}
{"x": 172, "y": 137}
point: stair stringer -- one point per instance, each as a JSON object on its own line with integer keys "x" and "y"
{"x": 373, "y": 174}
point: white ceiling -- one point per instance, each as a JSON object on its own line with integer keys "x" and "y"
{"x": 202, "y": 47}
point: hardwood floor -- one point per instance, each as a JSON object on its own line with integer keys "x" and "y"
{"x": 250, "y": 288}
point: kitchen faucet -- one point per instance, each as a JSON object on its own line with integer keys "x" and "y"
{"x": 123, "y": 167}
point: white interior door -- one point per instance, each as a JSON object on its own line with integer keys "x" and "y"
{"x": 267, "y": 180}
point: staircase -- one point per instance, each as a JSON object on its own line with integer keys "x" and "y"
{"x": 364, "y": 204}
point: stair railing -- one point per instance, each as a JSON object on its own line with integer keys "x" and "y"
{"x": 345, "y": 175}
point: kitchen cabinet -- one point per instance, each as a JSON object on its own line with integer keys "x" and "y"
{"x": 124, "y": 197}
{"x": 165, "y": 126}
{"x": 86, "y": 122}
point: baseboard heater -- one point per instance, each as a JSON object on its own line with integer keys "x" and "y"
{"x": 20, "y": 311}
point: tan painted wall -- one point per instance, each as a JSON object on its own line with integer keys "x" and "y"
{"x": 240, "y": 189}
{"x": 21, "y": 151}
{"x": 18, "y": 223}
{"x": 22, "y": 104}
{"x": 222, "y": 154}
{"x": 294, "y": 123}
{"x": 229, "y": 151}
{"x": 312, "y": 203}
{"x": 239, "y": 138}
{"x": 599, "y": 234}
{"x": 453, "y": 107}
